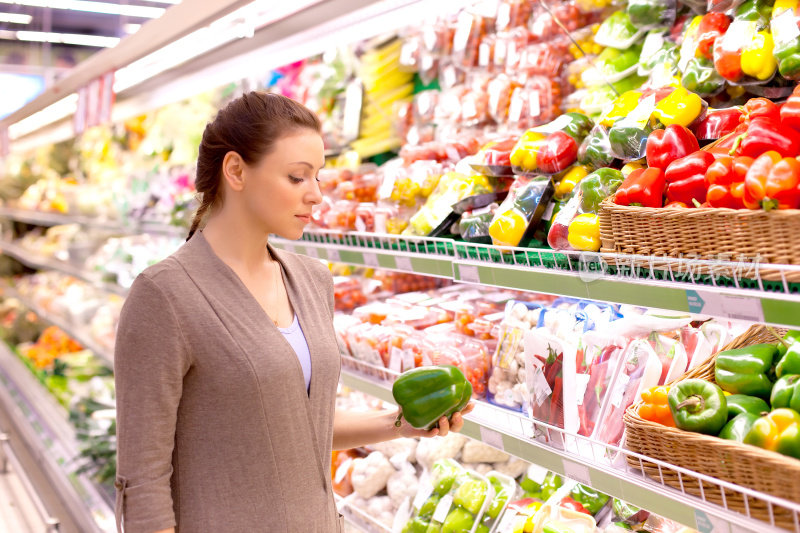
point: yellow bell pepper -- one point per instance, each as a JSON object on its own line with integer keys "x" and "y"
{"x": 783, "y": 5}
{"x": 757, "y": 59}
{"x": 507, "y": 229}
{"x": 680, "y": 107}
{"x": 630, "y": 167}
{"x": 584, "y": 232}
{"x": 570, "y": 179}
{"x": 524, "y": 153}
{"x": 620, "y": 107}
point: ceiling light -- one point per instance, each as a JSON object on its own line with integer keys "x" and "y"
{"x": 131, "y": 28}
{"x": 68, "y": 38}
{"x": 93, "y": 7}
{"x": 15, "y": 18}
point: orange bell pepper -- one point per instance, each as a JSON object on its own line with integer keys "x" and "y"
{"x": 725, "y": 181}
{"x": 656, "y": 407}
{"x": 772, "y": 183}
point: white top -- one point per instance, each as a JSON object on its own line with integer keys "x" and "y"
{"x": 294, "y": 335}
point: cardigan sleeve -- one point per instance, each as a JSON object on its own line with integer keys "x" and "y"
{"x": 150, "y": 361}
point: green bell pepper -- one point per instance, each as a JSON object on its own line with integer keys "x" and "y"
{"x": 790, "y": 338}
{"x": 628, "y": 141}
{"x": 592, "y": 500}
{"x": 700, "y": 77}
{"x": 741, "y": 403}
{"x": 647, "y": 12}
{"x": 746, "y": 370}
{"x": 552, "y": 482}
{"x": 738, "y": 427}
{"x": 595, "y": 151}
{"x": 613, "y": 62}
{"x": 615, "y": 30}
{"x": 755, "y": 11}
{"x": 786, "y": 392}
{"x": 498, "y": 502}
{"x": 698, "y": 405}
{"x": 417, "y": 525}
{"x": 790, "y": 362}
{"x": 779, "y": 431}
{"x": 428, "y": 393}
{"x": 428, "y": 508}
{"x": 470, "y": 495}
{"x": 579, "y": 127}
{"x": 458, "y": 521}
{"x": 598, "y": 186}
{"x": 444, "y": 475}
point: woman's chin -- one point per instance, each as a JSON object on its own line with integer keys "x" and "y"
{"x": 290, "y": 234}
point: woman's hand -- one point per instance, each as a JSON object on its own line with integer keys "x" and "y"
{"x": 456, "y": 423}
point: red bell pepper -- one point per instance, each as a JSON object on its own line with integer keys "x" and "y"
{"x": 727, "y": 62}
{"x": 772, "y": 182}
{"x": 717, "y": 123}
{"x": 558, "y": 152}
{"x": 667, "y": 145}
{"x": 686, "y": 178}
{"x": 760, "y": 108}
{"x": 712, "y": 26}
{"x": 764, "y": 134}
{"x": 643, "y": 187}
{"x": 790, "y": 111}
{"x": 725, "y": 180}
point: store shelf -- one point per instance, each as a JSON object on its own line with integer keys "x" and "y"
{"x": 601, "y": 466}
{"x": 358, "y": 518}
{"x": 33, "y": 260}
{"x": 42, "y": 424}
{"x": 77, "y": 332}
{"x": 725, "y": 289}
{"x": 42, "y": 218}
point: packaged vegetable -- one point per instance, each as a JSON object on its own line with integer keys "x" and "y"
{"x": 551, "y": 148}
{"x": 648, "y": 13}
{"x": 656, "y": 49}
{"x": 537, "y": 102}
{"x": 521, "y": 211}
{"x": 786, "y": 37}
{"x": 504, "y": 490}
{"x": 628, "y": 136}
{"x": 617, "y": 31}
{"x": 744, "y": 54}
{"x": 595, "y": 150}
{"x": 613, "y": 65}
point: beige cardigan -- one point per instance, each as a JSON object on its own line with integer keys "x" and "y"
{"x": 216, "y": 432}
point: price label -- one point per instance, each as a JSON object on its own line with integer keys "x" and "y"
{"x": 581, "y": 382}
{"x": 423, "y": 493}
{"x": 726, "y": 305}
{"x": 784, "y": 27}
{"x": 312, "y": 252}
{"x": 537, "y": 474}
{"x": 492, "y": 438}
{"x": 707, "y": 523}
{"x": 469, "y": 273}
{"x": 619, "y": 390}
{"x": 396, "y": 360}
{"x": 371, "y": 259}
{"x": 535, "y": 104}
{"x": 443, "y": 508}
{"x": 507, "y": 522}
{"x": 579, "y": 473}
{"x": 333, "y": 255}
{"x": 404, "y": 263}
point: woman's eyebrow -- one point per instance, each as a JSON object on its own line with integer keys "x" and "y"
{"x": 306, "y": 163}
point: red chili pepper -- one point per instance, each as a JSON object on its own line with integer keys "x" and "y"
{"x": 557, "y": 153}
{"x": 667, "y": 145}
{"x": 772, "y": 182}
{"x": 717, "y": 123}
{"x": 569, "y": 503}
{"x": 643, "y": 187}
{"x": 712, "y": 26}
{"x": 686, "y": 178}
{"x": 790, "y": 111}
{"x": 725, "y": 180}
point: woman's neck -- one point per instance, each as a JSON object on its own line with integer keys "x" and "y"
{"x": 237, "y": 242}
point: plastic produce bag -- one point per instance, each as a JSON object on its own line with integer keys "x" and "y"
{"x": 649, "y": 13}
{"x": 744, "y": 54}
{"x": 656, "y": 50}
{"x": 550, "y": 148}
{"x": 613, "y": 65}
{"x": 494, "y": 158}
{"x": 521, "y": 211}
{"x": 786, "y": 36}
{"x": 595, "y": 150}
{"x": 504, "y": 490}
{"x": 550, "y": 378}
{"x": 617, "y": 31}
{"x": 628, "y": 136}
{"x": 537, "y": 102}
{"x": 474, "y": 225}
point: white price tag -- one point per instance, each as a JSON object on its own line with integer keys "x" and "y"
{"x": 540, "y": 389}
{"x": 581, "y": 382}
{"x": 312, "y": 252}
{"x": 534, "y": 104}
{"x": 578, "y": 472}
{"x": 652, "y": 44}
{"x": 619, "y": 390}
{"x": 548, "y": 213}
{"x": 443, "y": 508}
{"x": 396, "y": 360}
{"x": 333, "y": 256}
{"x": 507, "y": 522}
{"x": 527, "y": 429}
{"x": 371, "y": 259}
{"x": 537, "y": 474}
{"x": 469, "y": 273}
{"x": 492, "y": 438}
{"x": 784, "y": 27}
{"x": 404, "y": 263}
{"x": 408, "y": 359}
{"x": 726, "y": 305}
{"x": 423, "y": 493}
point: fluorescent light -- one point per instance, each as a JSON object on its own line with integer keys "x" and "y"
{"x": 68, "y": 38}
{"x": 93, "y": 7}
{"x": 59, "y": 110}
{"x": 173, "y": 2}
{"x": 15, "y": 18}
{"x": 131, "y": 28}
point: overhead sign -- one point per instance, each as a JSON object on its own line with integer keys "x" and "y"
{"x": 94, "y": 103}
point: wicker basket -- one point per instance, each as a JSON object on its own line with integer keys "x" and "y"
{"x": 742, "y": 464}
{"x": 704, "y": 233}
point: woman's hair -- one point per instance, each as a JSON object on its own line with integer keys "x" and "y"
{"x": 249, "y": 125}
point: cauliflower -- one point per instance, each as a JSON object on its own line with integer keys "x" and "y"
{"x": 404, "y": 482}
{"x": 395, "y": 447}
{"x": 477, "y": 452}
{"x": 431, "y": 450}
{"x": 480, "y": 468}
{"x": 370, "y": 474}
{"x": 513, "y": 467}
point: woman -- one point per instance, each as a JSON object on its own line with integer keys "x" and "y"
{"x": 226, "y": 361}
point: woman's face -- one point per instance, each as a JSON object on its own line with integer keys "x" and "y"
{"x": 280, "y": 190}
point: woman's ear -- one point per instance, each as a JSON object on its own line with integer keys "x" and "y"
{"x": 233, "y": 170}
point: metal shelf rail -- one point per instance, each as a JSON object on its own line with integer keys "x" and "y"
{"x": 43, "y": 425}
{"x": 606, "y": 467}
{"x": 763, "y": 293}
{"x": 133, "y": 227}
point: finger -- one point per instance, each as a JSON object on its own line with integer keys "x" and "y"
{"x": 457, "y": 422}
{"x": 444, "y": 426}
{"x": 432, "y": 433}
{"x": 468, "y": 409}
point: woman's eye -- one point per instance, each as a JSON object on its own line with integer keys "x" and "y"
{"x": 295, "y": 179}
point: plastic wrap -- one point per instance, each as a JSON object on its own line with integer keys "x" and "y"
{"x": 785, "y": 28}
{"x": 652, "y": 13}
{"x": 617, "y": 31}
{"x": 744, "y": 54}
{"x": 521, "y": 211}
{"x": 656, "y": 50}
{"x": 613, "y": 65}
{"x": 535, "y": 103}
{"x": 474, "y": 225}
{"x": 551, "y": 148}
{"x": 595, "y": 150}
